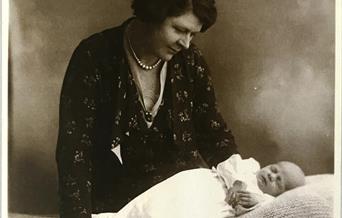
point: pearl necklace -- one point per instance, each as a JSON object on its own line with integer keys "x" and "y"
{"x": 140, "y": 63}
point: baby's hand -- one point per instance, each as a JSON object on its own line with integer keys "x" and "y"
{"x": 232, "y": 198}
{"x": 248, "y": 199}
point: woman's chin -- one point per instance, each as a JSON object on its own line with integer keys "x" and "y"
{"x": 167, "y": 57}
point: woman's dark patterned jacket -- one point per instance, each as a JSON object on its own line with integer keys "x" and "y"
{"x": 93, "y": 118}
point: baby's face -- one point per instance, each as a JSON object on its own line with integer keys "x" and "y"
{"x": 271, "y": 179}
{"x": 276, "y": 178}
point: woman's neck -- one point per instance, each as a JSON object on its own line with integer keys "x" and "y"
{"x": 142, "y": 46}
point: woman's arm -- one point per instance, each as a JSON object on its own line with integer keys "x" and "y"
{"x": 214, "y": 138}
{"x": 78, "y": 105}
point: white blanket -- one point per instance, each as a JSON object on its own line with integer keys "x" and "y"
{"x": 193, "y": 193}
{"x": 197, "y": 193}
{"x": 314, "y": 200}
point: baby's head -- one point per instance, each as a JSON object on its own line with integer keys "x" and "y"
{"x": 277, "y": 178}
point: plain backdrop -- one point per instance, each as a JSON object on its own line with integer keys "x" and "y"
{"x": 272, "y": 63}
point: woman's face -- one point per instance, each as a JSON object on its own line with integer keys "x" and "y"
{"x": 174, "y": 34}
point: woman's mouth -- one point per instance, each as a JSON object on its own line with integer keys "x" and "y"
{"x": 174, "y": 51}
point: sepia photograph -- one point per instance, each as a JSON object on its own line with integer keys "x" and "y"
{"x": 172, "y": 109}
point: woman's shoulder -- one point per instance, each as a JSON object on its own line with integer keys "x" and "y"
{"x": 106, "y": 41}
{"x": 111, "y": 36}
{"x": 108, "y": 37}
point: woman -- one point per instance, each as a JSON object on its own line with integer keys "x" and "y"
{"x": 137, "y": 106}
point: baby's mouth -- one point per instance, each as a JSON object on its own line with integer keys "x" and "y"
{"x": 263, "y": 179}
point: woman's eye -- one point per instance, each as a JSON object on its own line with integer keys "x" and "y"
{"x": 180, "y": 30}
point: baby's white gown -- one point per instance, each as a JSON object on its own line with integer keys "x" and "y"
{"x": 196, "y": 193}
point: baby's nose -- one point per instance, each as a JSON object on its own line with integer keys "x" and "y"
{"x": 271, "y": 177}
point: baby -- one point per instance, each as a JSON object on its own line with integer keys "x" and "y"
{"x": 249, "y": 186}
{"x": 234, "y": 187}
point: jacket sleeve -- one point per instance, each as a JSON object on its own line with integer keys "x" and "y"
{"x": 78, "y": 105}
{"x": 215, "y": 140}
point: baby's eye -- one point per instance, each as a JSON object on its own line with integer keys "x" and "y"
{"x": 274, "y": 169}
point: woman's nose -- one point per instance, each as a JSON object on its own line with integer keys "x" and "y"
{"x": 185, "y": 41}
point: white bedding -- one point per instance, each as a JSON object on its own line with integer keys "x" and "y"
{"x": 196, "y": 193}
{"x": 184, "y": 195}
{"x": 314, "y": 200}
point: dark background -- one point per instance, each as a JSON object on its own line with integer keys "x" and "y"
{"x": 272, "y": 63}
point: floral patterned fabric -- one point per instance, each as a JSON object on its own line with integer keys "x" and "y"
{"x": 99, "y": 110}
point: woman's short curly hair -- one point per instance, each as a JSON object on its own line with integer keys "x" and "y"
{"x": 156, "y": 11}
